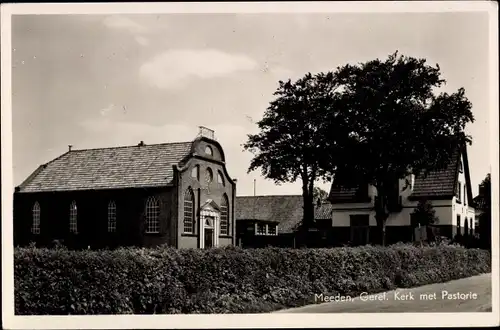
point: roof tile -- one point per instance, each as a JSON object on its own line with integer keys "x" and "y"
{"x": 110, "y": 168}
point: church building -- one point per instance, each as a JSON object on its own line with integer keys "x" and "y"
{"x": 177, "y": 194}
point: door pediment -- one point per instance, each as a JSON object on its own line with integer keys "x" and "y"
{"x": 210, "y": 205}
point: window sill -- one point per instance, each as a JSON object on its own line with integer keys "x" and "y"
{"x": 225, "y": 236}
{"x": 189, "y": 235}
{"x": 153, "y": 234}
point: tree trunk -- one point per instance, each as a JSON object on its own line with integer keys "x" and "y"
{"x": 308, "y": 201}
{"x": 381, "y": 214}
{"x": 381, "y": 221}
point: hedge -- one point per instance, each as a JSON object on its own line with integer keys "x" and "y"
{"x": 225, "y": 280}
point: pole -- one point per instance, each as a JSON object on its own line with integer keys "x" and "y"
{"x": 254, "y": 184}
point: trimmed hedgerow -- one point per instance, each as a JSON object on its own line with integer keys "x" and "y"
{"x": 225, "y": 280}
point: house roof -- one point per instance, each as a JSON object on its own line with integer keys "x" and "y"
{"x": 109, "y": 168}
{"x": 342, "y": 195}
{"x": 323, "y": 211}
{"x": 286, "y": 210}
{"x": 436, "y": 185}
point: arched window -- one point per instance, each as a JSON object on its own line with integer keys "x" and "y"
{"x": 209, "y": 175}
{"x": 35, "y": 228}
{"x": 195, "y": 172}
{"x": 189, "y": 211}
{"x": 152, "y": 215}
{"x": 224, "y": 216}
{"x": 220, "y": 178}
{"x": 73, "y": 218}
{"x": 112, "y": 217}
{"x": 208, "y": 151}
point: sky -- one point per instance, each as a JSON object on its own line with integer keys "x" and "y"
{"x": 96, "y": 81}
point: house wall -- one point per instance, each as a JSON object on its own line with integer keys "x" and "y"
{"x": 461, "y": 206}
{"x": 398, "y": 223}
{"x": 92, "y": 210}
{"x": 246, "y": 236}
{"x": 215, "y": 192}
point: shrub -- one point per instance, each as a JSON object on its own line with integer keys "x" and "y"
{"x": 224, "y": 280}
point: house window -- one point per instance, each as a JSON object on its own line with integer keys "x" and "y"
{"x": 208, "y": 151}
{"x": 152, "y": 215}
{"x": 272, "y": 229}
{"x": 459, "y": 227}
{"x": 209, "y": 176}
{"x": 224, "y": 216}
{"x": 261, "y": 229}
{"x": 220, "y": 178}
{"x": 73, "y": 218}
{"x": 35, "y": 229}
{"x": 112, "y": 217}
{"x": 360, "y": 228}
{"x": 458, "y": 192}
{"x": 195, "y": 172}
{"x": 189, "y": 212}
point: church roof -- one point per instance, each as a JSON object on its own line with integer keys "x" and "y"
{"x": 109, "y": 168}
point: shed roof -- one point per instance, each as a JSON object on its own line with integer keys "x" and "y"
{"x": 286, "y": 210}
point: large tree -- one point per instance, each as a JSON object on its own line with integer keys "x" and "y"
{"x": 294, "y": 142}
{"x": 399, "y": 124}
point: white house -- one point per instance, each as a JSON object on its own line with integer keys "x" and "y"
{"x": 449, "y": 192}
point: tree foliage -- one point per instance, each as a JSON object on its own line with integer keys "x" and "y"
{"x": 370, "y": 123}
{"x": 425, "y": 214}
{"x": 399, "y": 125}
{"x": 294, "y": 141}
{"x": 319, "y": 194}
{"x": 485, "y": 216}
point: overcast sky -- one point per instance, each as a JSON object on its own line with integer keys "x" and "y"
{"x": 101, "y": 81}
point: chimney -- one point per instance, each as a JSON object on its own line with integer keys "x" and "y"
{"x": 482, "y": 190}
{"x": 141, "y": 144}
{"x": 69, "y": 147}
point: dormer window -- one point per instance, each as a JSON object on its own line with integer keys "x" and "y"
{"x": 208, "y": 151}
